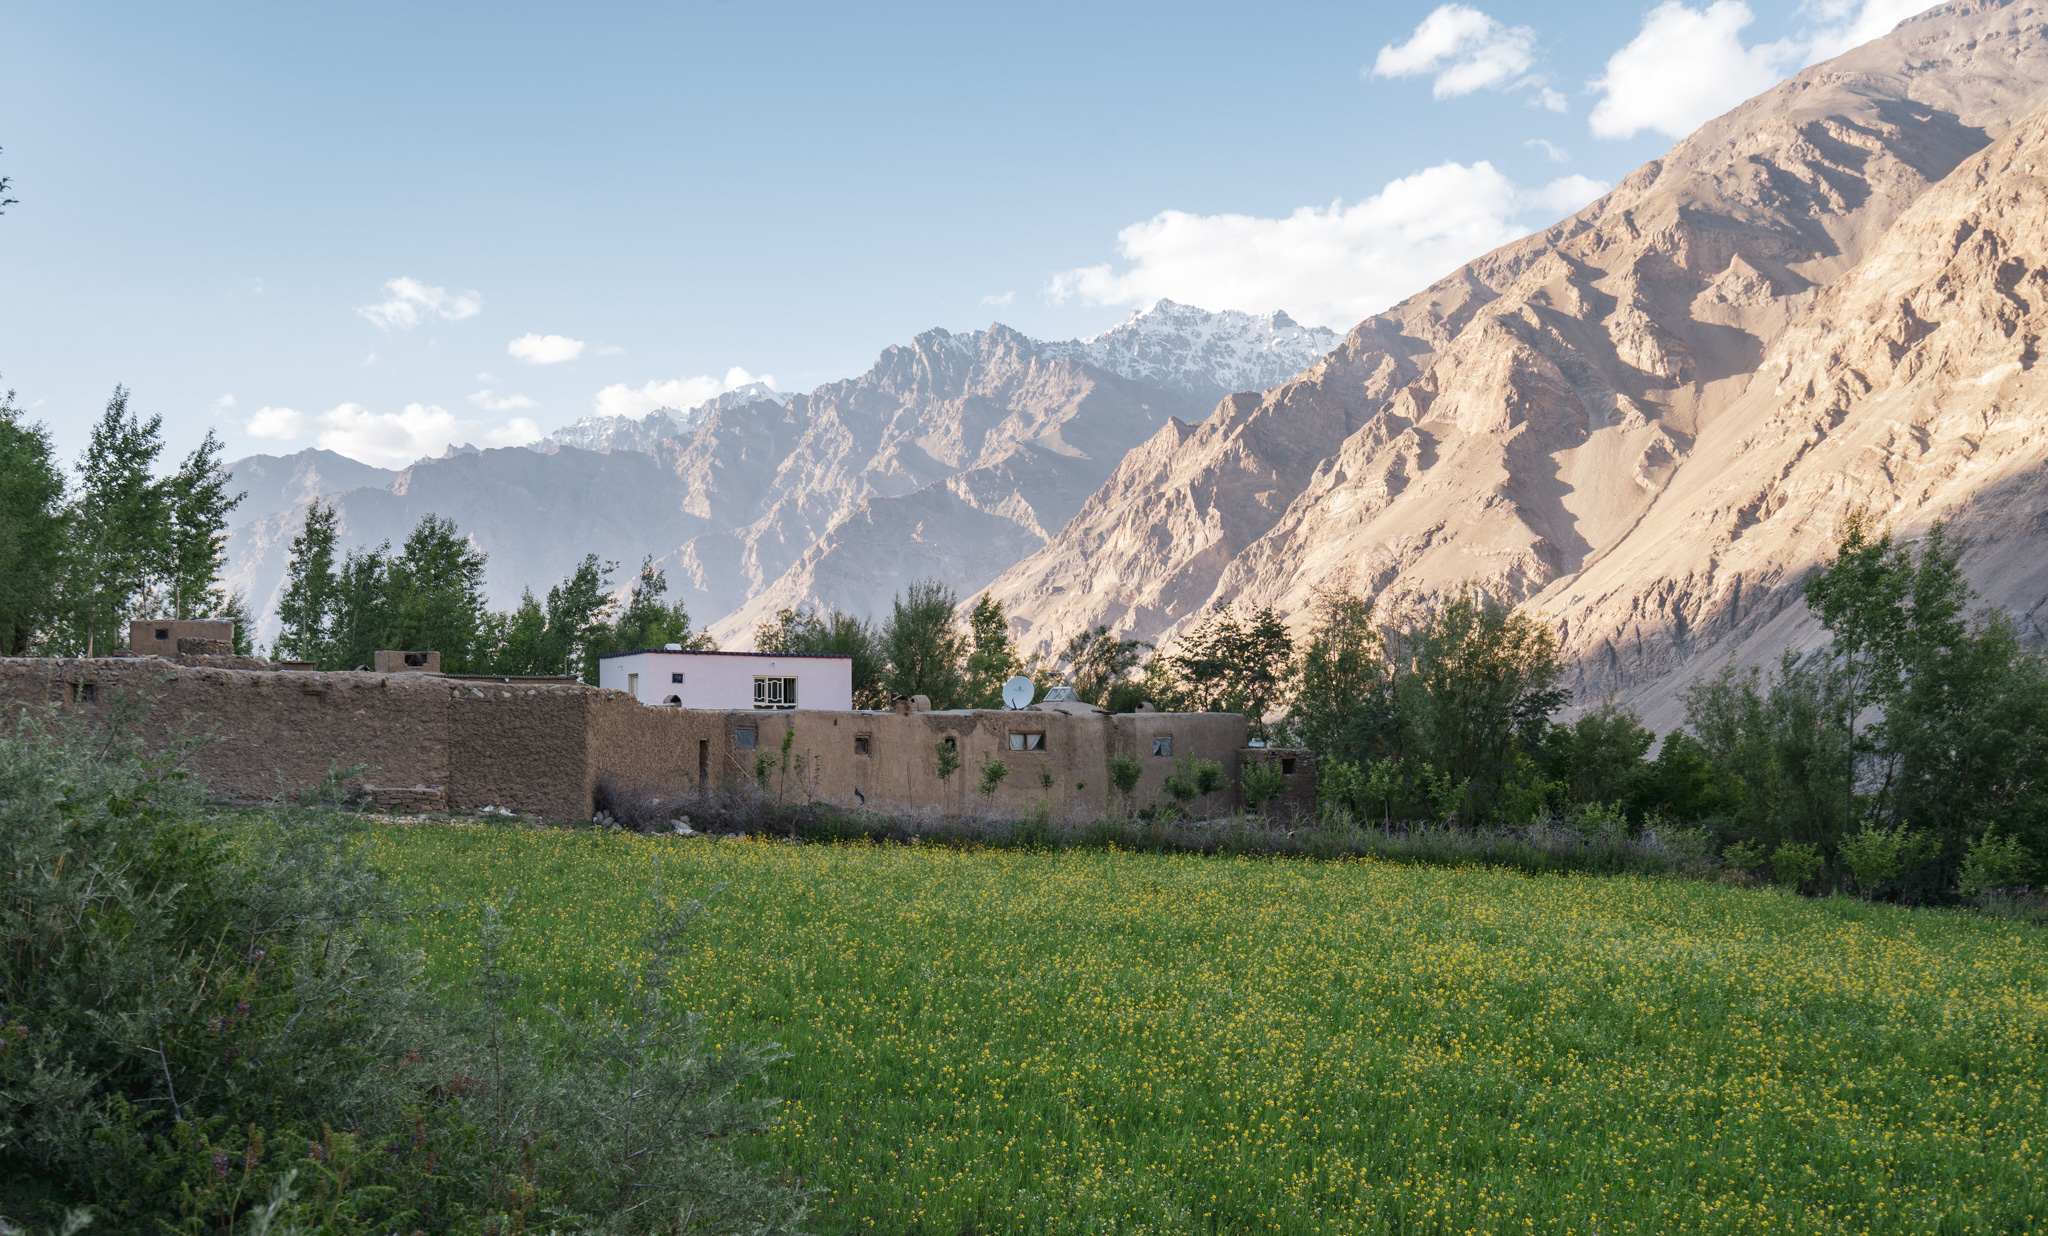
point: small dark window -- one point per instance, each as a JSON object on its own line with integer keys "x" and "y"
{"x": 1287, "y": 766}
{"x": 1162, "y": 744}
{"x": 163, "y": 633}
{"x": 948, "y": 740}
{"x": 1027, "y": 742}
{"x": 88, "y": 692}
{"x": 863, "y": 745}
{"x": 703, "y": 761}
{"x": 744, "y": 739}
{"x": 415, "y": 659}
{"x": 676, "y": 677}
{"x": 677, "y": 700}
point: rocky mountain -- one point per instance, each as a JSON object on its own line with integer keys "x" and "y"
{"x": 954, "y": 456}
{"x": 1201, "y": 354}
{"x": 1650, "y": 420}
{"x": 627, "y": 433}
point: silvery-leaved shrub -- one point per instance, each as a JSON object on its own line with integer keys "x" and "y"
{"x": 207, "y": 1028}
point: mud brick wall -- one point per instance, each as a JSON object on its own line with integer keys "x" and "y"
{"x": 521, "y": 747}
{"x": 266, "y": 732}
{"x": 678, "y": 748}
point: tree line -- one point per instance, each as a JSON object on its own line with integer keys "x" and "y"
{"x": 80, "y": 555}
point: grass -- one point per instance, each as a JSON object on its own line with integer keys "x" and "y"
{"x": 1089, "y": 1041}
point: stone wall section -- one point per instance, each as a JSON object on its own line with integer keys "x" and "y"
{"x": 518, "y": 746}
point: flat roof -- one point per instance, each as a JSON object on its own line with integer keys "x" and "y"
{"x": 706, "y": 652}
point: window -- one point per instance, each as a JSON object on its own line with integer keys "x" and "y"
{"x": 863, "y": 744}
{"x": 1162, "y": 744}
{"x": 676, "y": 700}
{"x": 775, "y": 693}
{"x": 83, "y": 692}
{"x": 163, "y": 633}
{"x": 633, "y": 685}
{"x": 1287, "y": 766}
{"x": 1027, "y": 742}
{"x": 676, "y": 677}
{"x": 1060, "y": 695}
{"x": 744, "y": 738}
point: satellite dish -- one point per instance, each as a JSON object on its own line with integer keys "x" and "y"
{"x": 1017, "y": 692}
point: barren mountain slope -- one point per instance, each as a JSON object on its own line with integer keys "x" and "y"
{"x": 1518, "y": 441}
{"x": 985, "y": 447}
{"x": 1910, "y": 388}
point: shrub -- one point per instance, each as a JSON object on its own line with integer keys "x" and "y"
{"x": 1745, "y": 856}
{"x": 1192, "y": 778}
{"x": 204, "y": 1011}
{"x": 1795, "y": 864}
{"x": 993, "y": 771}
{"x": 1124, "y": 773}
{"x": 1262, "y": 783}
{"x": 949, "y": 759}
{"x": 1993, "y": 863}
{"x": 1878, "y": 857}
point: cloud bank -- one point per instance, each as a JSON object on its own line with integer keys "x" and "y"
{"x": 544, "y": 349}
{"x": 413, "y": 302}
{"x": 678, "y": 393}
{"x": 1325, "y": 265}
{"x": 1466, "y": 49}
{"x": 387, "y": 439}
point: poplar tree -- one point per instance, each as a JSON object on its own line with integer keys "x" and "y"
{"x": 993, "y": 657}
{"x": 435, "y": 585}
{"x": 32, "y": 530}
{"x": 198, "y": 504}
{"x": 118, "y": 528}
{"x": 925, "y": 651}
{"x": 307, "y": 610}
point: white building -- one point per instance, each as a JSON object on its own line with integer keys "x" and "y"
{"x": 676, "y": 678}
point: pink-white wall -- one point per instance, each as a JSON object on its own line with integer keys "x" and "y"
{"x": 726, "y": 679}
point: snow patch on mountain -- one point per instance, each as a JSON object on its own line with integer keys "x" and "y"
{"x": 625, "y": 433}
{"x": 1200, "y": 352}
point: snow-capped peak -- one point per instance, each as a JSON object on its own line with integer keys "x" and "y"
{"x": 1200, "y": 351}
{"x": 628, "y": 433}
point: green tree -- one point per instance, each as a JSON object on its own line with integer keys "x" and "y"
{"x": 1477, "y": 678}
{"x": 362, "y": 622}
{"x": 33, "y": 526}
{"x": 1781, "y": 741}
{"x": 1230, "y": 665}
{"x": 1099, "y": 661}
{"x": 805, "y": 631}
{"x": 518, "y": 640}
{"x": 435, "y": 588}
{"x": 1599, "y": 757}
{"x": 118, "y": 525}
{"x": 307, "y": 610}
{"x": 196, "y": 538}
{"x": 645, "y": 621}
{"x": 1344, "y": 675}
{"x": 992, "y": 658}
{"x": 579, "y": 610}
{"x": 925, "y": 650}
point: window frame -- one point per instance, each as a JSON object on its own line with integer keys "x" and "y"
{"x": 1022, "y": 740}
{"x": 775, "y": 692}
{"x": 1162, "y": 746}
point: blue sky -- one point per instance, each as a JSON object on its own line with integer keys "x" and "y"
{"x": 336, "y": 226}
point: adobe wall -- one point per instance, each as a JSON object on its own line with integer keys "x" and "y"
{"x": 271, "y": 731}
{"x": 524, "y": 747}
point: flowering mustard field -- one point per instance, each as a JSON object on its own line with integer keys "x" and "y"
{"x": 1096, "y": 1042}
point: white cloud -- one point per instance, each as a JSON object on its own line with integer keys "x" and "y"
{"x": 544, "y": 349}
{"x": 413, "y": 302}
{"x": 1547, "y": 99}
{"x": 678, "y": 393}
{"x": 609, "y": 349}
{"x": 387, "y": 439}
{"x": 492, "y": 402}
{"x": 1000, "y": 301}
{"x": 369, "y": 360}
{"x": 1326, "y": 265}
{"x": 1686, "y": 67}
{"x": 1465, "y": 48}
{"x": 1558, "y": 154}
{"x": 223, "y": 403}
{"x": 1849, "y": 23}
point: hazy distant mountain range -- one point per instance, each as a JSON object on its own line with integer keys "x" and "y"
{"x": 1647, "y": 423}
{"x": 953, "y": 457}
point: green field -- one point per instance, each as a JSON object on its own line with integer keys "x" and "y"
{"x": 1107, "y": 1042}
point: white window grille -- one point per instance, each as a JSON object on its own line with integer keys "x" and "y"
{"x": 775, "y": 693}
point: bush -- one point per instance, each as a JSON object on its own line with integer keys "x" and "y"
{"x": 1878, "y": 858}
{"x": 1193, "y": 778}
{"x": 1796, "y": 864}
{"x": 203, "y": 1012}
{"x": 1262, "y": 783}
{"x": 1993, "y": 863}
{"x": 1746, "y": 856}
{"x": 1124, "y": 773}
